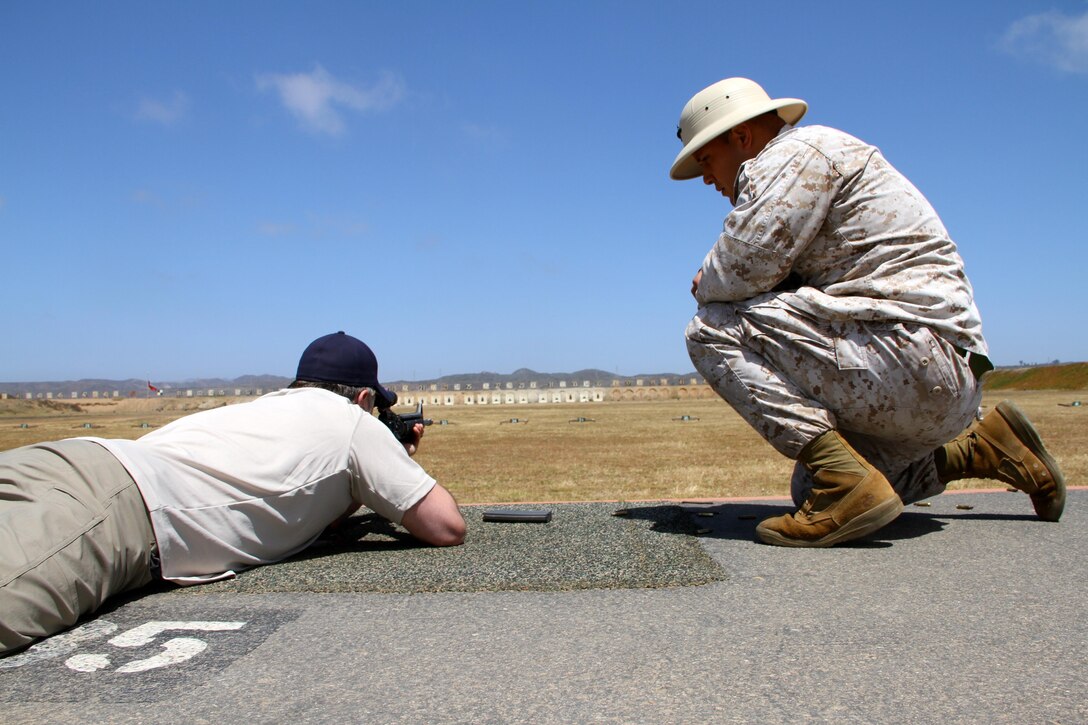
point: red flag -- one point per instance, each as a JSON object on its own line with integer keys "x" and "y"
{"x": 151, "y": 387}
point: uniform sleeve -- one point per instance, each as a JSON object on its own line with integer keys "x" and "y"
{"x": 784, "y": 196}
{"x": 385, "y": 478}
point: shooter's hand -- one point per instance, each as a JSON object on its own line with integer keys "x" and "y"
{"x": 412, "y": 446}
{"x": 343, "y": 517}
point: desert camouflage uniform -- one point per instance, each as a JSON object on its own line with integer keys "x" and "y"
{"x": 873, "y": 336}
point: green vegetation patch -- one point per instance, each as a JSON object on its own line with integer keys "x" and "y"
{"x": 1072, "y": 376}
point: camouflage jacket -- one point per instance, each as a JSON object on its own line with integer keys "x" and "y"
{"x": 819, "y": 205}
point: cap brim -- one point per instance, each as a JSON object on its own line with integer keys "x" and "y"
{"x": 685, "y": 167}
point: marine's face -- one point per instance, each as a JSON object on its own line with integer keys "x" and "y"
{"x": 720, "y": 160}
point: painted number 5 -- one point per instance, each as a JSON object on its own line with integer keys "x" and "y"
{"x": 175, "y": 650}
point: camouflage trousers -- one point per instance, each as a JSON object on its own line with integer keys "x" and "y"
{"x": 895, "y": 391}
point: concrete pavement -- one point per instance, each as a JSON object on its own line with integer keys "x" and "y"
{"x": 969, "y": 610}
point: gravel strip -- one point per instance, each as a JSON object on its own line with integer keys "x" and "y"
{"x": 584, "y": 546}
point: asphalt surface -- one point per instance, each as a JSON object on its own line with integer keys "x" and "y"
{"x": 968, "y": 610}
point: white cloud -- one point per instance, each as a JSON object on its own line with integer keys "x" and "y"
{"x": 489, "y": 135}
{"x": 174, "y": 200}
{"x": 316, "y": 98}
{"x": 334, "y": 227}
{"x": 1052, "y": 38}
{"x": 166, "y": 112}
{"x": 144, "y": 196}
{"x": 316, "y": 227}
{"x": 430, "y": 243}
{"x": 275, "y": 229}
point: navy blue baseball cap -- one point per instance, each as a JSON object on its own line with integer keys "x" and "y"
{"x": 343, "y": 359}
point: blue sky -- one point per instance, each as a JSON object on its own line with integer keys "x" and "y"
{"x": 199, "y": 189}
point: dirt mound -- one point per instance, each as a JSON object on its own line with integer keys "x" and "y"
{"x": 110, "y": 406}
{"x": 38, "y": 407}
{"x": 135, "y": 406}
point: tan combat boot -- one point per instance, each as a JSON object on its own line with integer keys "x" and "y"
{"x": 1006, "y": 447}
{"x": 849, "y": 499}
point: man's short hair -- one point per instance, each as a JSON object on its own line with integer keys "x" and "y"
{"x": 770, "y": 117}
{"x": 350, "y": 392}
{"x": 770, "y": 120}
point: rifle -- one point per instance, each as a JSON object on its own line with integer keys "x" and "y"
{"x": 402, "y": 425}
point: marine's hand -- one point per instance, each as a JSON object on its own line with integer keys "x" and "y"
{"x": 695, "y": 282}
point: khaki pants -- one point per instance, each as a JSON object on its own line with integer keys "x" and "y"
{"x": 74, "y": 531}
{"x": 896, "y": 391}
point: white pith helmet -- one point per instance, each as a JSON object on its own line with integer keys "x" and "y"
{"x": 718, "y": 108}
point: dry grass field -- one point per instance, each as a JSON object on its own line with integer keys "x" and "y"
{"x": 622, "y": 451}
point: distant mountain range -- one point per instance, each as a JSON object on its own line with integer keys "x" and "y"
{"x": 125, "y": 388}
{"x": 594, "y": 376}
{"x": 1055, "y": 375}
{"x": 249, "y": 384}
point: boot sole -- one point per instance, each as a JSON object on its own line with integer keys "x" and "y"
{"x": 1027, "y": 434}
{"x": 875, "y": 518}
